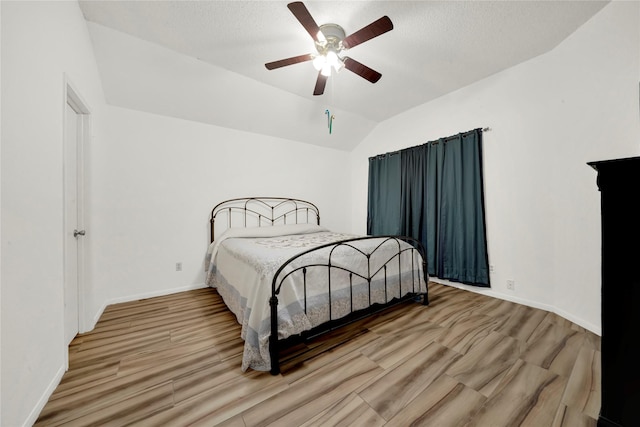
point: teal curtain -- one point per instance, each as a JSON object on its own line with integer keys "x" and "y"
{"x": 383, "y": 213}
{"x": 434, "y": 193}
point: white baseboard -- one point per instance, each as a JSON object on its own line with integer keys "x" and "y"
{"x": 96, "y": 317}
{"x": 144, "y": 295}
{"x": 158, "y": 293}
{"x": 489, "y": 292}
{"x": 35, "y": 412}
{"x": 580, "y": 322}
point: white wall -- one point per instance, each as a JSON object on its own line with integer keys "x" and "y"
{"x": 155, "y": 180}
{"x": 40, "y": 42}
{"x": 606, "y": 97}
{"x": 549, "y": 116}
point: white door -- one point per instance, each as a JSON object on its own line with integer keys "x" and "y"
{"x": 71, "y": 223}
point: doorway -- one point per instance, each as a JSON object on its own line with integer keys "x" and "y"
{"x": 76, "y": 133}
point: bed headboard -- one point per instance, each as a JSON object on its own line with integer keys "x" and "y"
{"x": 263, "y": 211}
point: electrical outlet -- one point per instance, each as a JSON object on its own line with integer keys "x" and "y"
{"x": 178, "y": 266}
{"x": 492, "y": 268}
{"x": 511, "y": 285}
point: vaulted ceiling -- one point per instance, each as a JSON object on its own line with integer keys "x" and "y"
{"x": 204, "y": 60}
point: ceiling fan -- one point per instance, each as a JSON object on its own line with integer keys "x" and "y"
{"x": 331, "y": 42}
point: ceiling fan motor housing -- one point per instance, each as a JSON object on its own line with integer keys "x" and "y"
{"x": 333, "y": 36}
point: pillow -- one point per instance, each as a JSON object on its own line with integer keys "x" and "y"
{"x": 271, "y": 230}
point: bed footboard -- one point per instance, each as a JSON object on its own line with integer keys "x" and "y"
{"x": 387, "y": 268}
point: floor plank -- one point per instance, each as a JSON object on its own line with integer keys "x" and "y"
{"x": 527, "y": 396}
{"x": 484, "y": 366}
{"x": 446, "y": 402}
{"x": 392, "y": 391}
{"x": 300, "y": 402}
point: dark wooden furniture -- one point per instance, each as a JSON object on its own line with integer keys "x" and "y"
{"x": 619, "y": 184}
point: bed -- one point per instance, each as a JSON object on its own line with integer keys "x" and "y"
{"x": 285, "y": 277}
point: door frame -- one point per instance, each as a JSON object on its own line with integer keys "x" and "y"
{"x": 72, "y": 97}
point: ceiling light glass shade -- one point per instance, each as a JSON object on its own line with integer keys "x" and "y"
{"x": 332, "y": 58}
{"x": 319, "y": 62}
{"x": 326, "y": 60}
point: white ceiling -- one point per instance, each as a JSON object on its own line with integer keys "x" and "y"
{"x": 204, "y": 60}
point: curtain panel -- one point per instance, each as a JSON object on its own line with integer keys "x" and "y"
{"x": 434, "y": 193}
{"x": 384, "y": 182}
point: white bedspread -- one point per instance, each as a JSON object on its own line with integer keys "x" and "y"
{"x": 243, "y": 261}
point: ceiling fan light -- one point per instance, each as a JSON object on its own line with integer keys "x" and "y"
{"x": 319, "y": 62}
{"x": 332, "y": 58}
{"x": 326, "y": 70}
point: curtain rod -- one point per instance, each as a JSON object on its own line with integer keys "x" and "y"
{"x": 485, "y": 129}
{"x": 445, "y": 139}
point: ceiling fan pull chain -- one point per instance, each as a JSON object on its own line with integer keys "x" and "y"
{"x": 330, "y": 118}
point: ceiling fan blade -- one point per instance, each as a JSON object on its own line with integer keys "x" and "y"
{"x": 372, "y": 30}
{"x": 289, "y": 61}
{"x": 320, "y": 84}
{"x": 301, "y": 13}
{"x": 361, "y": 70}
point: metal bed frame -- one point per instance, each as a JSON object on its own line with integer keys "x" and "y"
{"x": 268, "y": 211}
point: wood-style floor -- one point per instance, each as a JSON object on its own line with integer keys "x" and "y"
{"x": 465, "y": 360}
